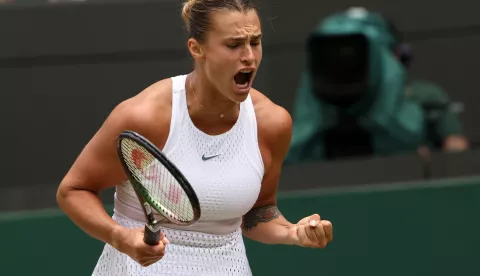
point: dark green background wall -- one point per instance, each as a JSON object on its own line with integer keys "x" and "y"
{"x": 428, "y": 228}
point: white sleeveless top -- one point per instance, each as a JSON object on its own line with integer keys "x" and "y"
{"x": 227, "y": 185}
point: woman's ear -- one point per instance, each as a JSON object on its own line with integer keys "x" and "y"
{"x": 196, "y": 50}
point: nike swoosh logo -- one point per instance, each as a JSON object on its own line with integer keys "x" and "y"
{"x": 205, "y": 158}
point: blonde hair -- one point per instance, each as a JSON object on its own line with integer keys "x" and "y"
{"x": 196, "y": 14}
{"x": 187, "y": 11}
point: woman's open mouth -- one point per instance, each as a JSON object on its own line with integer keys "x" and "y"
{"x": 243, "y": 79}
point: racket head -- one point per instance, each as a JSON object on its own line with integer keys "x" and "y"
{"x": 184, "y": 208}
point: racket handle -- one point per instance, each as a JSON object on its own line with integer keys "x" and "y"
{"x": 152, "y": 235}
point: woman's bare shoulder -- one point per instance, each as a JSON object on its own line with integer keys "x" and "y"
{"x": 148, "y": 112}
{"x": 153, "y": 98}
{"x": 272, "y": 119}
{"x": 274, "y": 125}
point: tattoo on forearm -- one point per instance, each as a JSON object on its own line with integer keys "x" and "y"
{"x": 258, "y": 215}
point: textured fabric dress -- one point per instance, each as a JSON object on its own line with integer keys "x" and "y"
{"x": 226, "y": 171}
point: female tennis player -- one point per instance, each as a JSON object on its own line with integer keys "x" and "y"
{"x": 227, "y": 138}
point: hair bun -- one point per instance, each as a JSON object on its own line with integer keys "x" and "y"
{"x": 187, "y": 11}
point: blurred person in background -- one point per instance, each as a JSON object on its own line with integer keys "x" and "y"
{"x": 443, "y": 127}
{"x": 357, "y": 99}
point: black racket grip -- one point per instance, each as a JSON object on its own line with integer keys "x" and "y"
{"x": 151, "y": 236}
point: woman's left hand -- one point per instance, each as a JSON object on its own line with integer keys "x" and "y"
{"x": 312, "y": 232}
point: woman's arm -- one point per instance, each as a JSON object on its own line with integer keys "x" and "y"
{"x": 267, "y": 225}
{"x": 97, "y": 167}
{"x": 264, "y": 222}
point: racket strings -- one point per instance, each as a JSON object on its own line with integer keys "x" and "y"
{"x": 160, "y": 188}
{"x": 165, "y": 186}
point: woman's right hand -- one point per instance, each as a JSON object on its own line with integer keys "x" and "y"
{"x": 130, "y": 242}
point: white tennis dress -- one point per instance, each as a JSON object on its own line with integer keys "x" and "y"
{"x": 227, "y": 186}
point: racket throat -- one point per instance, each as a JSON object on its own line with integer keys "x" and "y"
{"x": 152, "y": 223}
{"x": 151, "y": 220}
{"x": 154, "y": 227}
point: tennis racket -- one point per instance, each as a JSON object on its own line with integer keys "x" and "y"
{"x": 158, "y": 183}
